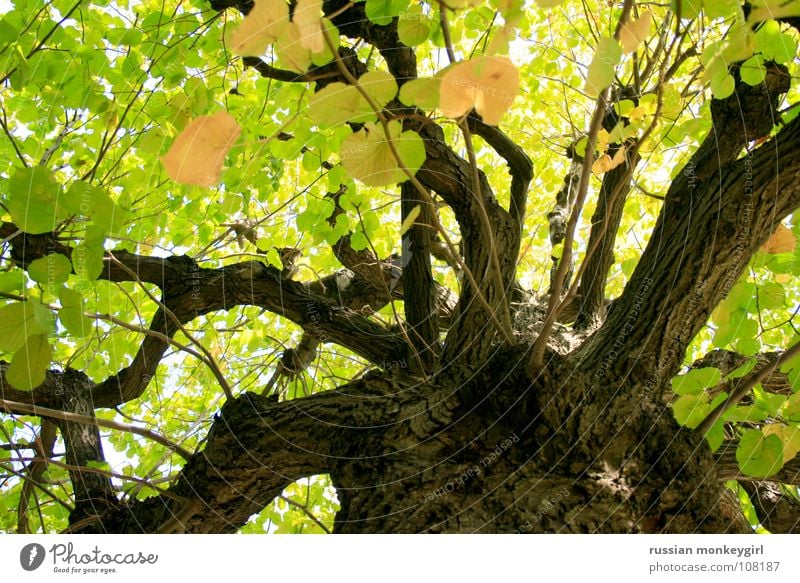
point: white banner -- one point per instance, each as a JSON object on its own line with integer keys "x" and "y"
{"x": 356, "y": 559}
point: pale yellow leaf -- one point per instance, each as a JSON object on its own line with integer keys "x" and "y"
{"x": 637, "y": 113}
{"x": 789, "y": 435}
{"x": 487, "y": 83}
{"x": 500, "y": 41}
{"x": 260, "y": 28}
{"x": 197, "y": 154}
{"x": 782, "y": 240}
{"x": 290, "y": 49}
{"x": 308, "y": 18}
{"x": 368, "y": 157}
{"x": 634, "y": 32}
{"x": 409, "y": 220}
{"x": 457, "y": 90}
{"x": 619, "y": 157}
{"x": 602, "y": 164}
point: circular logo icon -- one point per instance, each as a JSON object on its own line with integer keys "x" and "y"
{"x": 31, "y": 556}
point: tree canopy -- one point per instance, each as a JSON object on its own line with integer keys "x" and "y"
{"x": 399, "y": 266}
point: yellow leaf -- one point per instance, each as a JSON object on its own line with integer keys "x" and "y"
{"x": 368, "y": 157}
{"x": 487, "y": 83}
{"x": 308, "y": 18}
{"x": 637, "y": 113}
{"x": 619, "y": 157}
{"x": 500, "y": 41}
{"x": 260, "y": 28}
{"x": 634, "y": 32}
{"x": 782, "y": 240}
{"x": 409, "y": 221}
{"x": 197, "y": 154}
{"x": 602, "y": 164}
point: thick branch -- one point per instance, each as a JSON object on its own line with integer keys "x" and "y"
{"x": 605, "y": 224}
{"x": 418, "y": 283}
{"x": 717, "y": 213}
{"x": 257, "y": 447}
{"x": 519, "y": 164}
{"x": 190, "y": 291}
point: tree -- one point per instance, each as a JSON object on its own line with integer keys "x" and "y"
{"x": 399, "y": 266}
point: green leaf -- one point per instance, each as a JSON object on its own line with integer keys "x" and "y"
{"x": 758, "y": 455}
{"x": 753, "y": 71}
{"x": 382, "y": 12}
{"x": 771, "y": 295}
{"x": 602, "y": 69}
{"x": 99, "y": 465}
{"x": 87, "y": 261}
{"x": 18, "y": 321}
{"x": 32, "y": 200}
{"x": 742, "y": 370}
{"x": 51, "y": 270}
{"x": 12, "y": 281}
{"x": 749, "y": 413}
{"x": 368, "y": 157}
{"x": 84, "y": 199}
{"x": 423, "y": 92}
{"x": 687, "y": 9}
{"x": 775, "y": 45}
{"x": 359, "y": 241}
{"x": 8, "y": 32}
{"x": 716, "y": 436}
{"x": 690, "y": 410}
{"x": 791, "y": 408}
{"x": 29, "y": 366}
{"x": 720, "y": 8}
{"x": 696, "y": 381}
{"x": 412, "y": 27}
{"x": 722, "y": 86}
{"x": 768, "y": 402}
{"x": 71, "y": 314}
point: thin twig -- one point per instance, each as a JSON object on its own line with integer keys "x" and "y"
{"x": 536, "y": 360}
{"x": 15, "y": 406}
{"x": 210, "y": 360}
{"x": 744, "y": 386}
{"x": 305, "y": 511}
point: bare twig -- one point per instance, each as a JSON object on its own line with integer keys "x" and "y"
{"x": 537, "y": 353}
{"x": 306, "y": 511}
{"x": 14, "y": 406}
{"x": 744, "y": 386}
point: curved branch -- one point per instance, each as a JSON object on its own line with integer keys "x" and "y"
{"x": 257, "y": 447}
{"x": 322, "y": 308}
{"x": 519, "y": 164}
